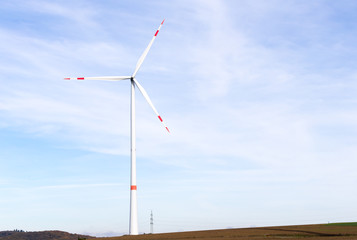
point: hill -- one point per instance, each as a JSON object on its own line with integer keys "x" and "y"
{"x": 344, "y": 231}
{"x": 44, "y": 235}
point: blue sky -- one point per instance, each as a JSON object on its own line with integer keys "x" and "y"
{"x": 260, "y": 97}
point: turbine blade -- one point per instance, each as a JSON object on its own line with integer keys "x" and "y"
{"x": 143, "y": 56}
{"x": 113, "y": 78}
{"x": 146, "y": 96}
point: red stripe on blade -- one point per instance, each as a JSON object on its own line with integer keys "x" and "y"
{"x": 67, "y": 78}
{"x": 167, "y": 129}
{"x": 156, "y": 33}
{"x": 80, "y": 78}
{"x": 133, "y": 187}
{"x": 160, "y": 118}
{"x": 162, "y": 21}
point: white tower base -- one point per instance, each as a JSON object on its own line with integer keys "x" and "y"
{"x": 133, "y": 225}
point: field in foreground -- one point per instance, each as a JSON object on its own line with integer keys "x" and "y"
{"x": 335, "y": 231}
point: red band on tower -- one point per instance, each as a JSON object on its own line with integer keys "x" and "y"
{"x": 133, "y": 187}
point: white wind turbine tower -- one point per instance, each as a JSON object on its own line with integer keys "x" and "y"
{"x": 133, "y": 222}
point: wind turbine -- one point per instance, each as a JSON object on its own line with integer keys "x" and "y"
{"x": 133, "y": 221}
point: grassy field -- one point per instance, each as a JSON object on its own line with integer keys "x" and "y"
{"x": 333, "y": 231}
{"x": 344, "y": 224}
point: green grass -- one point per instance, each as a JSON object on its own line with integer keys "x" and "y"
{"x": 344, "y": 224}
